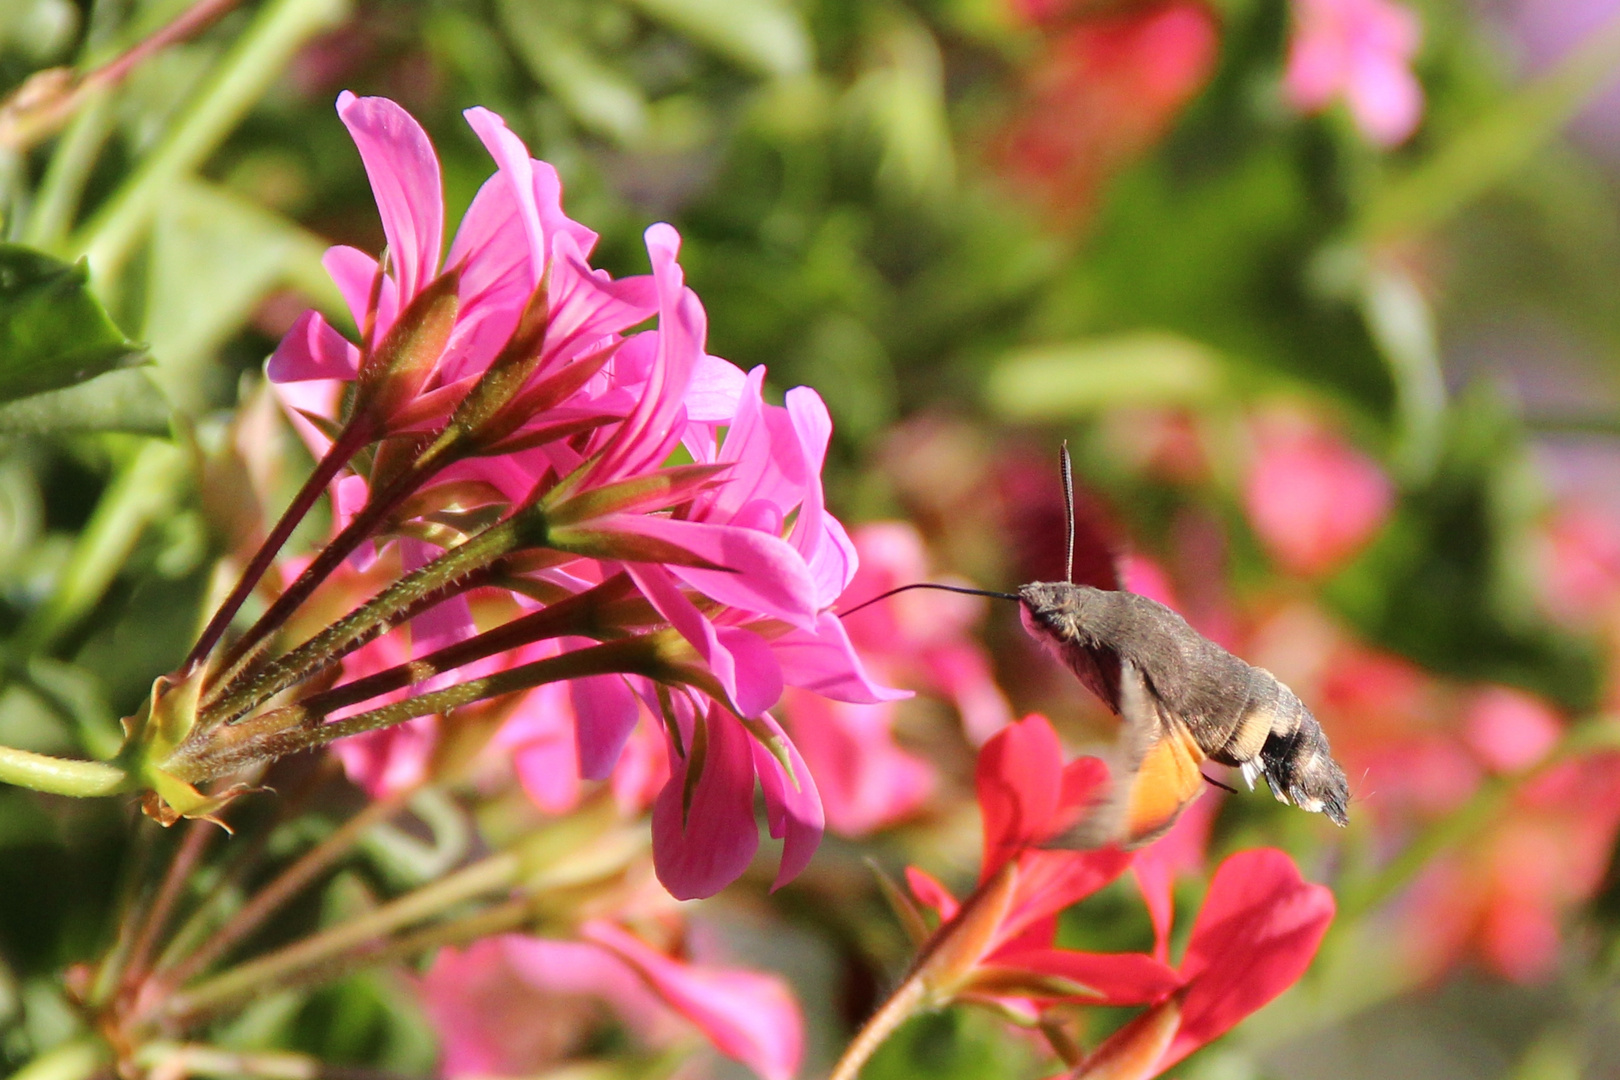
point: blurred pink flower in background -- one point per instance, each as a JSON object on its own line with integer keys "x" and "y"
{"x": 1503, "y": 900}
{"x": 1360, "y": 51}
{"x": 1509, "y": 729}
{"x": 1578, "y": 562}
{"x": 518, "y": 1006}
{"x": 1313, "y": 499}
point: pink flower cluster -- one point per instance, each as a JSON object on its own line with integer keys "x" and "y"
{"x": 736, "y": 552}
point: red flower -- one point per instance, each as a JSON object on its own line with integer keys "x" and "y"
{"x": 1256, "y": 934}
{"x": 997, "y": 946}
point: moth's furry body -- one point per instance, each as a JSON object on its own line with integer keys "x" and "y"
{"x": 1178, "y": 691}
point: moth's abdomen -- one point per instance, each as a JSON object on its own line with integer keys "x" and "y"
{"x": 1277, "y": 737}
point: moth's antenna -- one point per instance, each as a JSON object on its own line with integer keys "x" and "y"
{"x": 929, "y": 585}
{"x": 1068, "y": 511}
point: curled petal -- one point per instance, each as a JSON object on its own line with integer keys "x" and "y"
{"x": 1114, "y": 978}
{"x": 930, "y": 893}
{"x": 313, "y": 350}
{"x": 792, "y": 804}
{"x": 404, "y": 174}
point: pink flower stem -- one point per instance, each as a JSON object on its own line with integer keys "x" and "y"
{"x": 243, "y": 652}
{"x": 342, "y": 451}
{"x": 453, "y": 572}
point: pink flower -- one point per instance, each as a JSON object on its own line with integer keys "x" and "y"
{"x": 736, "y": 553}
{"x": 1313, "y": 500}
{"x": 516, "y": 1005}
{"x": 1361, "y": 51}
{"x": 1505, "y": 899}
{"x": 1509, "y": 729}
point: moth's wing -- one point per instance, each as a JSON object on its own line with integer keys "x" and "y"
{"x": 1156, "y": 770}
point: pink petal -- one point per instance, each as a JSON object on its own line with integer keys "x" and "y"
{"x": 759, "y": 676}
{"x": 700, "y": 849}
{"x": 763, "y": 574}
{"x": 826, "y": 663}
{"x": 716, "y": 385}
{"x": 605, "y": 712}
{"x": 792, "y": 804}
{"x": 748, "y": 1016}
{"x": 1049, "y": 881}
{"x": 404, "y": 174}
{"x": 355, "y": 274}
{"x": 1256, "y": 934}
{"x": 313, "y": 350}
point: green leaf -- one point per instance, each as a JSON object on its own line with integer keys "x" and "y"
{"x": 117, "y": 401}
{"x": 1051, "y": 382}
{"x": 766, "y": 36}
{"x": 1498, "y": 143}
{"x": 53, "y": 332}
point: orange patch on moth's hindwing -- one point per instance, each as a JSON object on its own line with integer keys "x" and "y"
{"x": 1168, "y": 779}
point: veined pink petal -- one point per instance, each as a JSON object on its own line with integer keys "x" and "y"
{"x": 1256, "y": 934}
{"x": 605, "y": 712}
{"x": 763, "y": 574}
{"x": 404, "y": 174}
{"x": 492, "y": 252}
{"x": 716, "y": 386}
{"x": 355, "y": 273}
{"x": 792, "y": 804}
{"x": 313, "y": 350}
{"x": 749, "y": 1016}
{"x": 824, "y": 661}
{"x": 701, "y": 847}
{"x": 688, "y": 621}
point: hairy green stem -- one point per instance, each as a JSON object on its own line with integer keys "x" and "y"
{"x": 61, "y": 776}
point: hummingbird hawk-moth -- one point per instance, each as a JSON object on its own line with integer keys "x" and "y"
{"x": 1182, "y": 700}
